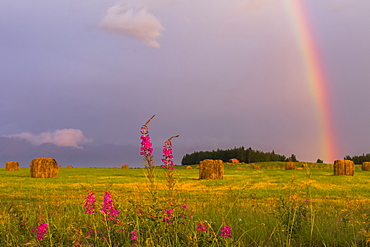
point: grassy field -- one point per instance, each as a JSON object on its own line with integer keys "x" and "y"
{"x": 266, "y": 207}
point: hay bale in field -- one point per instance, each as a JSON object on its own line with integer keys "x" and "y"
{"x": 59, "y": 166}
{"x": 44, "y": 168}
{"x": 366, "y": 166}
{"x": 304, "y": 165}
{"x": 197, "y": 167}
{"x": 344, "y": 167}
{"x": 290, "y": 166}
{"x": 211, "y": 169}
{"x": 69, "y": 166}
{"x": 115, "y": 167}
{"x": 12, "y": 166}
{"x": 233, "y": 161}
{"x": 189, "y": 167}
{"x": 256, "y": 167}
{"x": 124, "y": 166}
{"x": 239, "y": 168}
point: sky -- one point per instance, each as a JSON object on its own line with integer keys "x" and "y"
{"x": 221, "y": 74}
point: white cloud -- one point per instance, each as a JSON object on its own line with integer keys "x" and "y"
{"x": 138, "y": 24}
{"x": 60, "y": 137}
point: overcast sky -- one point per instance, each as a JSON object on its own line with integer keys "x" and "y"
{"x": 220, "y": 73}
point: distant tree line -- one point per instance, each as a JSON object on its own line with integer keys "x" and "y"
{"x": 359, "y": 159}
{"x": 243, "y": 155}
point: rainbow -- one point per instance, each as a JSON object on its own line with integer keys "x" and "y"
{"x": 315, "y": 77}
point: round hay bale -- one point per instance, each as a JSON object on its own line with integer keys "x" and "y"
{"x": 189, "y": 167}
{"x": 256, "y": 167}
{"x": 234, "y": 161}
{"x": 115, "y": 167}
{"x": 366, "y": 166}
{"x": 290, "y": 166}
{"x": 44, "y": 168}
{"x": 124, "y": 166}
{"x": 59, "y": 166}
{"x": 12, "y": 166}
{"x": 239, "y": 168}
{"x": 211, "y": 169}
{"x": 304, "y": 165}
{"x": 69, "y": 166}
{"x": 197, "y": 167}
{"x": 344, "y": 167}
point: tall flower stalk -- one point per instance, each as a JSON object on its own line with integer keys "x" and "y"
{"x": 146, "y": 150}
{"x": 169, "y": 165}
{"x": 90, "y": 203}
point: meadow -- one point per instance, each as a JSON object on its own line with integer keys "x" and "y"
{"x": 266, "y": 207}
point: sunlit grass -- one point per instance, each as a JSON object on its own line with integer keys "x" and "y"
{"x": 253, "y": 202}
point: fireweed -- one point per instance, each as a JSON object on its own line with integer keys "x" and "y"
{"x": 90, "y": 203}
{"x": 108, "y": 208}
{"x": 42, "y": 230}
{"x": 225, "y": 232}
{"x": 134, "y": 236}
{"x": 168, "y": 166}
{"x": 146, "y": 151}
{"x": 202, "y": 227}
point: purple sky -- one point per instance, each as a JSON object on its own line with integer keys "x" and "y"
{"x": 218, "y": 73}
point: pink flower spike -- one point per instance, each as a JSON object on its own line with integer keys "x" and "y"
{"x": 42, "y": 230}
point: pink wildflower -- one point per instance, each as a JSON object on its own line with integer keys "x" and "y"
{"x": 225, "y": 232}
{"x": 146, "y": 145}
{"x": 90, "y": 203}
{"x": 108, "y": 208}
{"x": 42, "y": 230}
{"x": 139, "y": 211}
{"x": 134, "y": 236}
{"x": 202, "y": 227}
{"x": 167, "y": 154}
{"x": 168, "y": 212}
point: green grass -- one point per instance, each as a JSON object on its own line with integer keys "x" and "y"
{"x": 266, "y": 207}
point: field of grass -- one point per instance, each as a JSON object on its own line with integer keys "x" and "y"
{"x": 266, "y": 207}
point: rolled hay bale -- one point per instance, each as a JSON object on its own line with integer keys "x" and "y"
{"x": 211, "y": 169}
{"x": 189, "y": 167}
{"x": 304, "y": 165}
{"x": 69, "y": 166}
{"x": 124, "y": 166}
{"x": 44, "y": 168}
{"x": 366, "y": 166}
{"x": 256, "y": 167}
{"x": 290, "y": 166}
{"x": 12, "y": 166}
{"x": 197, "y": 167}
{"x": 239, "y": 168}
{"x": 59, "y": 166}
{"x": 344, "y": 167}
{"x": 115, "y": 167}
{"x": 233, "y": 161}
